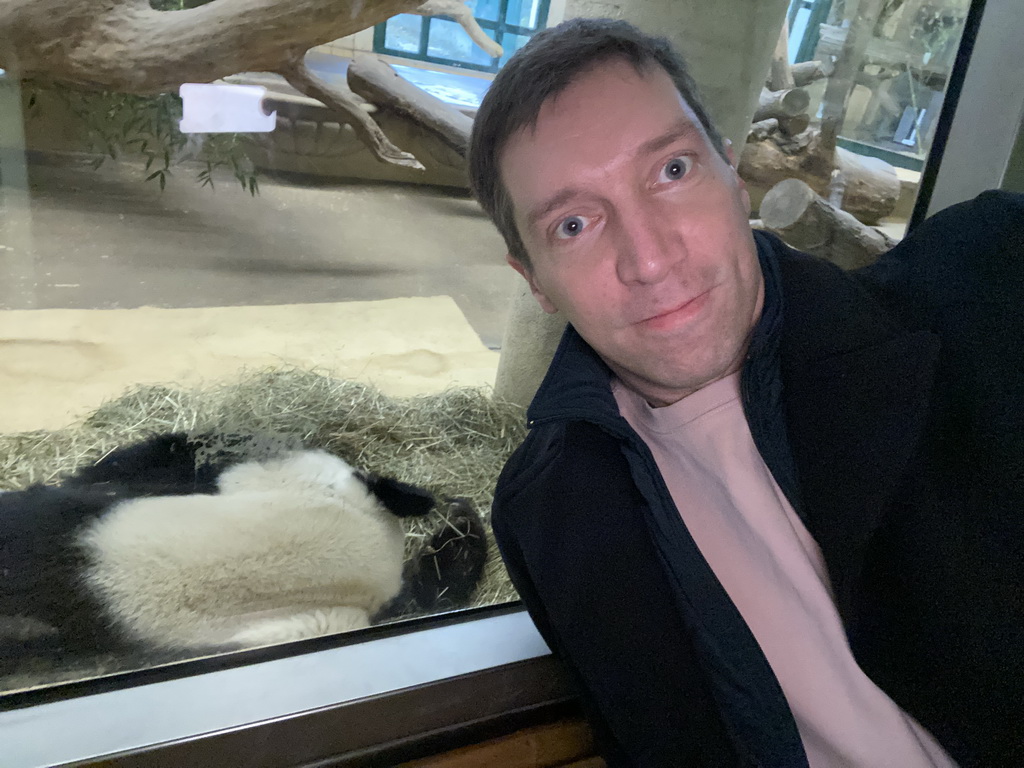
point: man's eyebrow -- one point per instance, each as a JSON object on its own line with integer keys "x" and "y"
{"x": 684, "y": 129}
{"x": 547, "y": 206}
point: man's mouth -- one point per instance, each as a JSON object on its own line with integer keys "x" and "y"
{"x": 678, "y": 315}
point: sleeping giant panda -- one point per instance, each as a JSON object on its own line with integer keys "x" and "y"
{"x": 147, "y": 550}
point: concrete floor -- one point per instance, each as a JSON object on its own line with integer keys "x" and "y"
{"x": 106, "y": 239}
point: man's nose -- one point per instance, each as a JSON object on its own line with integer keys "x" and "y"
{"x": 647, "y": 250}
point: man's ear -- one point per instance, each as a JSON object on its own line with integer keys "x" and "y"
{"x": 535, "y": 289}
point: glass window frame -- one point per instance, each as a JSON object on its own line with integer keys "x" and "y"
{"x": 478, "y": 666}
{"x": 496, "y": 29}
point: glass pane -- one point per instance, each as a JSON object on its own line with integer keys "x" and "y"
{"x": 523, "y": 13}
{"x": 448, "y": 40}
{"x": 511, "y": 44}
{"x": 207, "y": 285}
{"x": 872, "y": 89}
{"x": 402, "y": 33}
{"x": 459, "y": 90}
{"x": 798, "y": 31}
{"x": 489, "y": 10}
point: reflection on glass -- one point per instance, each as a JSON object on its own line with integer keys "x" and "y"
{"x": 523, "y": 13}
{"x": 902, "y": 73}
{"x": 449, "y": 41}
{"x": 487, "y": 10}
{"x": 245, "y": 375}
{"x": 850, "y": 109}
{"x": 403, "y": 32}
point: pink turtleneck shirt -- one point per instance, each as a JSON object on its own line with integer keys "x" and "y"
{"x": 774, "y": 573}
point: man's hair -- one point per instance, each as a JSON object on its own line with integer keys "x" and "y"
{"x": 541, "y": 70}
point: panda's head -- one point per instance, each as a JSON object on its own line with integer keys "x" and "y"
{"x": 323, "y": 473}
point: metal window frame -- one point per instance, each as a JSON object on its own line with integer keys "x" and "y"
{"x": 819, "y": 10}
{"x": 383, "y": 731}
{"x": 499, "y": 28}
{"x": 394, "y": 692}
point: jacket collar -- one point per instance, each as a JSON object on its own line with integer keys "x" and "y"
{"x": 857, "y": 391}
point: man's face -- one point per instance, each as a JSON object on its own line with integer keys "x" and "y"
{"x": 637, "y": 230}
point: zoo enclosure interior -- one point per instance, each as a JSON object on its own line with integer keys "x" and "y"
{"x": 309, "y": 285}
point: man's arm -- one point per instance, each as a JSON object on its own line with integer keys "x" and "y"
{"x": 605, "y": 742}
{"x": 969, "y": 253}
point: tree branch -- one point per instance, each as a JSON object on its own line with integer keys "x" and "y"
{"x": 463, "y": 14}
{"x": 125, "y": 46}
{"x": 342, "y": 100}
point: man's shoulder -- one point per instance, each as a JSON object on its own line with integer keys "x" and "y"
{"x": 968, "y": 253}
{"x": 558, "y": 461}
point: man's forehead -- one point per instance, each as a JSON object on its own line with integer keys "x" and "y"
{"x": 607, "y": 93}
{"x": 599, "y": 83}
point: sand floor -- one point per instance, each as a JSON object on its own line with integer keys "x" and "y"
{"x": 57, "y": 365}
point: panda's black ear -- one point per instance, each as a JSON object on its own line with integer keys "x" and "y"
{"x": 402, "y": 499}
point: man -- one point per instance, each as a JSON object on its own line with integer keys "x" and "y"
{"x": 768, "y": 513}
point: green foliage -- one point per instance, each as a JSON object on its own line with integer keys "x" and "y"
{"x": 125, "y": 125}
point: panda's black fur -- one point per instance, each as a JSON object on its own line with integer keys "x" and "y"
{"x": 55, "y": 547}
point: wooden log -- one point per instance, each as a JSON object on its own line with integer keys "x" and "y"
{"x": 762, "y": 129}
{"x": 806, "y": 221}
{"x": 806, "y": 72}
{"x": 872, "y": 186}
{"x": 378, "y": 83}
{"x": 781, "y": 103}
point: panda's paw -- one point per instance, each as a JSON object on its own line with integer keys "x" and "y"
{"x": 451, "y": 565}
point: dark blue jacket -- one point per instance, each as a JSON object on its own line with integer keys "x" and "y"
{"x": 889, "y": 406}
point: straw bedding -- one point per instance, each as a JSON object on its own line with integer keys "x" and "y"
{"x": 453, "y": 443}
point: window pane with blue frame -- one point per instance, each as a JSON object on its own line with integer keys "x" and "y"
{"x": 486, "y": 10}
{"x": 510, "y": 23}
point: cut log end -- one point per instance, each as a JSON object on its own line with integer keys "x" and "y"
{"x": 806, "y": 72}
{"x": 781, "y": 103}
{"x": 786, "y": 203}
{"x": 796, "y": 213}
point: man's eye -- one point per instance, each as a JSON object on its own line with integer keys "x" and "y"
{"x": 675, "y": 169}
{"x": 570, "y": 226}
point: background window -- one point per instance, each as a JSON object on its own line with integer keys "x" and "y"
{"x": 441, "y": 41}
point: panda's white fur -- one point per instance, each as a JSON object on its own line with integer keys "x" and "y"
{"x": 289, "y": 548}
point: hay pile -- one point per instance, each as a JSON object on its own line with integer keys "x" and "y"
{"x": 453, "y": 443}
